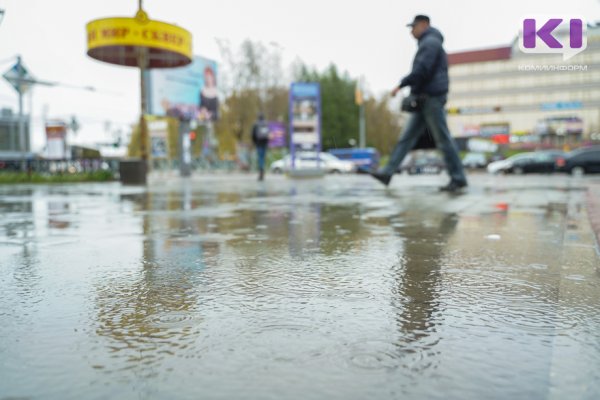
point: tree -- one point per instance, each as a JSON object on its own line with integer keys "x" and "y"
{"x": 252, "y": 81}
{"x": 339, "y": 113}
{"x": 383, "y": 124}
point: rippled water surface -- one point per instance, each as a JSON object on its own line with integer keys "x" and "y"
{"x": 224, "y": 288}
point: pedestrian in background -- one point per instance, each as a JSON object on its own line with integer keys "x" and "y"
{"x": 428, "y": 82}
{"x": 260, "y": 137}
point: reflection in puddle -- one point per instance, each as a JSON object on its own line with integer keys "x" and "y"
{"x": 328, "y": 289}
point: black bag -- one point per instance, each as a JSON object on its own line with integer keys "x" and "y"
{"x": 413, "y": 102}
{"x": 425, "y": 142}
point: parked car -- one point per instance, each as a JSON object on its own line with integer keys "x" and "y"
{"x": 310, "y": 160}
{"x": 474, "y": 160}
{"x": 429, "y": 162}
{"x": 581, "y": 161}
{"x": 530, "y": 162}
{"x": 364, "y": 159}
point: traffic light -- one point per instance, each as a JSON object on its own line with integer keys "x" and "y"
{"x": 193, "y": 135}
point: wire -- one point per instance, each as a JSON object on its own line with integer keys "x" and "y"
{"x": 8, "y": 59}
{"x": 33, "y": 81}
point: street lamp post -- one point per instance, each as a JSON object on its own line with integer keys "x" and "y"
{"x": 22, "y": 142}
{"x": 358, "y": 98}
{"x": 19, "y": 86}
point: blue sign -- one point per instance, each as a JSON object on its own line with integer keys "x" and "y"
{"x": 562, "y": 105}
{"x": 19, "y": 77}
{"x": 305, "y": 90}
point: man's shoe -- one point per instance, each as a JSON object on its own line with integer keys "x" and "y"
{"x": 381, "y": 177}
{"x": 453, "y": 187}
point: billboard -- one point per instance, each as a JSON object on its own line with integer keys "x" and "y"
{"x": 492, "y": 129}
{"x": 567, "y": 125}
{"x": 305, "y": 117}
{"x": 188, "y": 92}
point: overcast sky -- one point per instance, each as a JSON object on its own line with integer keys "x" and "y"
{"x": 363, "y": 37}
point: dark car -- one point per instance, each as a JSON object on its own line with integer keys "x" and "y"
{"x": 423, "y": 163}
{"x": 580, "y": 161}
{"x": 535, "y": 162}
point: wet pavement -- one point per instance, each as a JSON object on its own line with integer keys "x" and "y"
{"x": 220, "y": 287}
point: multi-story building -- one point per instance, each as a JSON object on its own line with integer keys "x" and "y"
{"x": 505, "y": 94}
{"x": 10, "y": 142}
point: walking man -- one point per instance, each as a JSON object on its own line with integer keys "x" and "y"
{"x": 428, "y": 82}
{"x": 260, "y": 137}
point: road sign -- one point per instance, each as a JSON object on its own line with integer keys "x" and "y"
{"x": 19, "y": 77}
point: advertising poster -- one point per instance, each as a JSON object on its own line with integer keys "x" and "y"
{"x": 56, "y": 144}
{"x": 159, "y": 138}
{"x": 305, "y": 117}
{"x": 188, "y": 92}
{"x": 276, "y": 135}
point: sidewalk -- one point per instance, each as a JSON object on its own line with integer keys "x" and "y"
{"x": 593, "y": 206}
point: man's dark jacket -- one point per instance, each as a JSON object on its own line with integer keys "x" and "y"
{"x": 259, "y": 142}
{"x": 429, "y": 73}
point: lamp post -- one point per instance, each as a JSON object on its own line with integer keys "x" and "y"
{"x": 22, "y": 143}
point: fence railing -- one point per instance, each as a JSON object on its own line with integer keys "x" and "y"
{"x": 59, "y": 166}
{"x": 51, "y": 167}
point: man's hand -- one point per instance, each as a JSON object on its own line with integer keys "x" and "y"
{"x": 395, "y": 91}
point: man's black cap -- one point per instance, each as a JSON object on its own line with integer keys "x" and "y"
{"x": 418, "y": 18}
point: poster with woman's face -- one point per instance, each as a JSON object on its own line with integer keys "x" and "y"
{"x": 305, "y": 132}
{"x": 189, "y": 92}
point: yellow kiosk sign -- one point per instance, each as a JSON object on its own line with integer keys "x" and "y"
{"x": 143, "y": 43}
{"x": 118, "y": 40}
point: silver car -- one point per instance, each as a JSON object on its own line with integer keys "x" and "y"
{"x": 309, "y": 160}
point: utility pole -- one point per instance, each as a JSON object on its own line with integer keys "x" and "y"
{"x": 358, "y": 96}
{"x": 143, "y": 65}
{"x": 363, "y": 128}
{"x": 22, "y": 143}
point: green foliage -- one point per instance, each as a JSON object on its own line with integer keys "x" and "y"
{"x": 23, "y": 177}
{"x": 252, "y": 80}
{"x": 507, "y": 152}
{"x": 339, "y": 112}
{"x": 383, "y": 124}
{"x": 133, "y": 149}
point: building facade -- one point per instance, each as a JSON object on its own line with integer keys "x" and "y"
{"x": 510, "y": 97}
{"x": 10, "y": 142}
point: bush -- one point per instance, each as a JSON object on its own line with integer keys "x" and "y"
{"x": 23, "y": 177}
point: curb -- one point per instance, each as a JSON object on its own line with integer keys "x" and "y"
{"x": 593, "y": 207}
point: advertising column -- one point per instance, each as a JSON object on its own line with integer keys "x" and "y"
{"x": 305, "y": 122}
